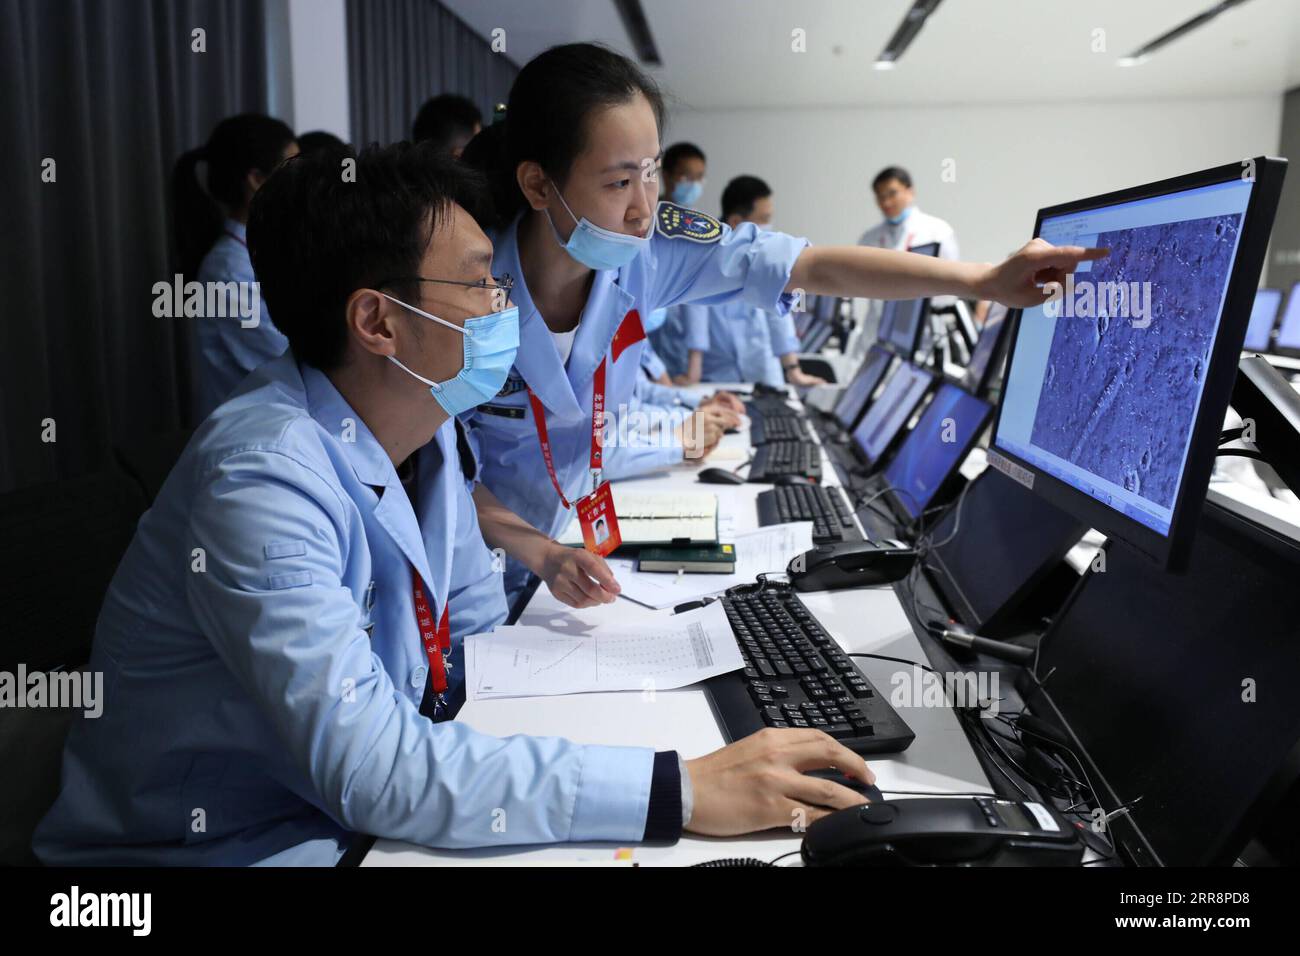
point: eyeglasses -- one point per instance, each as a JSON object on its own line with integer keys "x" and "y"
{"x": 503, "y": 282}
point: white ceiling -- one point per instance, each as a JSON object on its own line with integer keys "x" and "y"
{"x": 736, "y": 54}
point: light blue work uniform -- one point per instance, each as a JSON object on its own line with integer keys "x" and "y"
{"x": 690, "y": 257}
{"x": 226, "y": 350}
{"x": 264, "y": 704}
{"x": 651, "y": 363}
{"x": 739, "y": 342}
{"x": 669, "y": 340}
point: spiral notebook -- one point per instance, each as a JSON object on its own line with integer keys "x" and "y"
{"x": 659, "y": 518}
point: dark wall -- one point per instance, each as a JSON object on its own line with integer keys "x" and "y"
{"x": 402, "y": 52}
{"x": 113, "y": 93}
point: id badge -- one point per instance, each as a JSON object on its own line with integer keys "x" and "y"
{"x": 599, "y": 522}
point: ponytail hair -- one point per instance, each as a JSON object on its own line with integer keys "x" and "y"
{"x": 551, "y": 104}
{"x": 237, "y": 146}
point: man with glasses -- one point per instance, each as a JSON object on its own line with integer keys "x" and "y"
{"x": 281, "y": 644}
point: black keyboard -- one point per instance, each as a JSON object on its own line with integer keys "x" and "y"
{"x": 825, "y": 507}
{"x": 786, "y": 458}
{"x": 796, "y": 675}
{"x": 772, "y": 428}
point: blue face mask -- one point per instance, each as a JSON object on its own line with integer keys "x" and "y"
{"x": 598, "y": 248}
{"x": 490, "y": 344}
{"x": 687, "y": 192}
{"x": 895, "y": 220}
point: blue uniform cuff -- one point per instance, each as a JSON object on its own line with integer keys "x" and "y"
{"x": 664, "y": 814}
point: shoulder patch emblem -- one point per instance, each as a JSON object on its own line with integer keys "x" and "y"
{"x": 677, "y": 222}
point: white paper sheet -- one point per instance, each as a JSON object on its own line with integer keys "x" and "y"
{"x": 767, "y": 549}
{"x": 538, "y": 662}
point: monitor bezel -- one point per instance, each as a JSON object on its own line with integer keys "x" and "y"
{"x": 909, "y": 355}
{"x": 1171, "y": 551}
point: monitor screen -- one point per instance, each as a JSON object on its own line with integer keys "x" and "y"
{"x": 934, "y": 449}
{"x": 977, "y": 369}
{"x": 824, "y": 309}
{"x": 849, "y": 407}
{"x": 1263, "y": 316}
{"x": 1288, "y": 333}
{"x": 926, "y": 249}
{"x": 900, "y": 325}
{"x": 1103, "y": 385}
{"x": 891, "y": 411}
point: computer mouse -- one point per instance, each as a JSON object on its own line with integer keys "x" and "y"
{"x": 720, "y": 476}
{"x": 850, "y": 564}
{"x": 870, "y": 791}
{"x": 792, "y": 480}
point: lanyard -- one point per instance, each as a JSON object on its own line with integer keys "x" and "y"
{"x": 907, "y": 243}
{"x": 235, "y": 237}
{"x": 597, "y": 431}
{"x": 437, "y": 642}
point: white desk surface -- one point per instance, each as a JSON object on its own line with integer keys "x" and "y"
{"x": 940, "y": 759}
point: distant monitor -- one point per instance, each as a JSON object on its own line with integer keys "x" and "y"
{"x": 1263, "y": 316}
{"x": 1288, "y": 333}
{"x": 891, "y": 411}
{"x": 853, "y": 400}
{"x": 933, "y": 451}
{"x": 925, "y": 249}
{"x": 1115, "y": 392}
{"x": 983, "y": 368}
{"x": 901, "y": 322}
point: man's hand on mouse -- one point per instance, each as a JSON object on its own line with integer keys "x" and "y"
{"x": 758, "y": 783}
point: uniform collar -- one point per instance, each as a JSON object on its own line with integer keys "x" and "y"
{"x": 331, "y": 410}
{"x": 538, "y": 362}
{"x": 373, "y": 467}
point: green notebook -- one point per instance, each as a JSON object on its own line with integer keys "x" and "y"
{"x": 713, "y": 559}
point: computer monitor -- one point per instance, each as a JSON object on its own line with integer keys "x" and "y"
{"x": 901, "y": 322}
{"x": 1288, "y": 333}
{"x": 883, "y": 422}
{"x": 925, "y": 249}
{"x": 933, "y": 451}
{"x": 985, "y": 362}
{"x": 995, "y": 547}
{"x": 1159, "y": 681}
{"x": 822, "y": 324}
{"x": 853, "y": 400}
{"x": 1263, "y": 316}
{"x": 1112, "y": 410}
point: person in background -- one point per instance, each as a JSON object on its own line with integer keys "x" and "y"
{"x": 905, "y": 225}
{"x": 211, "y": 248}
{"x": 737, "y": 342}
{"x": 318, "y": 139}
{"x": 681, "y": 181}
{"x": 448, "y": 121}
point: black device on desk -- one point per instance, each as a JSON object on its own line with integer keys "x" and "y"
{"x": 943, "y": 831}
{"x": 826, "y": 508}
{"x": 779, "y": 459}
{"x": 796, "y": 675}
{"x": 851, "y": 564}
{"x": 853, "y": 401}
